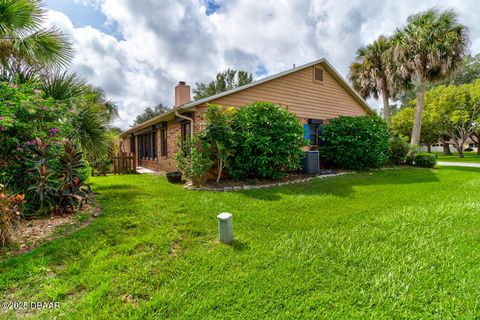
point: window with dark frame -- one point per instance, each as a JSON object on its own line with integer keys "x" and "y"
{"x": 147, "y": 146}
{"x": 185, "y": 130}
{"x": 314, "y": 134}
{"x": 163, "y": 139}
{"x": 185, "y": 133}
{"x": 132, "y": 144}
{"x": 315, "y": 129}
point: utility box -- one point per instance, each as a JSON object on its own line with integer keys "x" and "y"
{"x": 225, "y": 227}
{"x": 311, "y": 162}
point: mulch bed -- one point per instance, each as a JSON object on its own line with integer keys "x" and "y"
{"x": 33, "y": 232}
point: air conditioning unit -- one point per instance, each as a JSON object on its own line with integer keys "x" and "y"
{"x": 311, "y": 162}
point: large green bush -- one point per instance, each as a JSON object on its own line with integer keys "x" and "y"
{"x": 355, "y": 143}
{"x": 425, "y": 160}
{"x": 26, "y": 114}
{"x": 267, "y": 141}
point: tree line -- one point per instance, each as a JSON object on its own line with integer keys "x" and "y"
{"x": 224, "y": 81}
{"x": 431, "y": 47}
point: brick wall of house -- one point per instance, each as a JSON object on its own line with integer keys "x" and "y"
{"x": 165, "y": 164}
{"x": 161, "y": 163}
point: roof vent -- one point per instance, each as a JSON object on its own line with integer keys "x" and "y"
{"x": 318, "y": 74}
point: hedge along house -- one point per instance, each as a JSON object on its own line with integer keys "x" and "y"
{"x": 315, "y": 92}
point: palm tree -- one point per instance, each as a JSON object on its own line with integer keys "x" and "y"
{"x": 92, "y": 114}
{"x": 429, "y": 48}
{"x": 371, "y": 74}
{"x": 26, "y": 46}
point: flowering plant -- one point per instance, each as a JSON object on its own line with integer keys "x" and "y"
{"x": 26, "y": 114}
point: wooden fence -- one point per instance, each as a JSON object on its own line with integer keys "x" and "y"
{"x": 124, "y": 163}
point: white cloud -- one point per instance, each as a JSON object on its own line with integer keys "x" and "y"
{"x": 167, "y": 41}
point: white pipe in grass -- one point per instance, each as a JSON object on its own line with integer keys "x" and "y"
{"x": 225, "y": 227}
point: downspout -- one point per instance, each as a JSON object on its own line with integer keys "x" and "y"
{"x": 186, "y": 118}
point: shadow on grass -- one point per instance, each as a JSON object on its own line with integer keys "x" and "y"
{"x": 240, "y": 245}
{"x": 343, "y": 186}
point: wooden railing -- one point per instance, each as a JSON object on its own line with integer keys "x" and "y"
{"x": 124, "y": 163}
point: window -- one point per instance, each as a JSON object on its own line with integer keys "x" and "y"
{"x": 318, "y": 74}
{"x": 147, "y": 146}
{"x": 186, "y": 134}
{"x": 163, "y": 139}
{"x": 313, "y": 131}
{"x": 132, "y": 144}
{"x": 313, "y": 134}
{"x": 185, "y": 130}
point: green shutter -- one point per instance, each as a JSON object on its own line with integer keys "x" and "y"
{"x": 306, "y": 133}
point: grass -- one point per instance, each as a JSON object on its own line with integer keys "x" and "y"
{"x": 471, "y": 157}
{"x": 401, "y": 243}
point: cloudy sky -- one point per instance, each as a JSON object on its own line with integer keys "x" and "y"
{"x": 137, "y": 50}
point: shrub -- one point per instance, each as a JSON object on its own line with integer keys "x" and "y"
{"x": 218, "y": 135}
{"x": 56, "y": 191}
{"x": 267, "y": 141}
{"x": 468, "y": 149}
{"x": 193, "y": 160}
{"x": 25, "y": 114}
{"x": 398, "y": 150}
{"x": 425, "y": 160}
{"x": 41, "y": 193}
{"x": 72, "y": 193}
{"x": 355, "y": 142}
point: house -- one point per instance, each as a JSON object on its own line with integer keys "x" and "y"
{"x": 315, "y": 92}
{"x": 438, "y": 147}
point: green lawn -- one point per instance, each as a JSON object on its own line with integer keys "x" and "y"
{"x": 401, "y": 243}
{"x": 469, "y": 157}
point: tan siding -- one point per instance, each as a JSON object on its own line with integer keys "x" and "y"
{"x": 300, "y": 94}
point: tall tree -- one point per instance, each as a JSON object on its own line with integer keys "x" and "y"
{"x": 469, "y": 72}
{"x": 224, "y": 81}
{"x": 149, "y": 113}
{"x": 455, "y": 111}
{"x": 402, "y": 123}
{"x": 371, "y": 73}
{"x": 430, "y": 47}
{"x": 24, "y": 44}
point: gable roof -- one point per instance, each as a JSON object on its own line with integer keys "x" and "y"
{"x": 321, "y": 61}
{"x": 344, "y": 83}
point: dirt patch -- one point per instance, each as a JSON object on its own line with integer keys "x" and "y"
{"x": 33, "y": 232}
{"x": 175, "y": 247}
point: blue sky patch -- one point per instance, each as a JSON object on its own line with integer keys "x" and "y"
{"x": 212, "y": 7}
{"x": 261, "y": 70}
{"x": 83, "y": 15}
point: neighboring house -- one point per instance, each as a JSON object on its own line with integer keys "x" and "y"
{"x": 315, "y": 92}
{"x": 438, "y": 147}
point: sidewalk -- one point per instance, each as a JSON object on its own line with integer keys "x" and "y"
{"x": 459, "y": 164}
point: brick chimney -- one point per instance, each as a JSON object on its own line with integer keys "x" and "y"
{"x": 182, "y": 94}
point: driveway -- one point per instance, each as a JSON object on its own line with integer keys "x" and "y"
{"x": 459, "y": 164}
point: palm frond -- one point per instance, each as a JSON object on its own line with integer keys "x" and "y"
{"x": 90, "y": 130}
{"x": 20, "y": 17}
{"x": 63, "y": 86}
{"x": 47, "y": 46}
